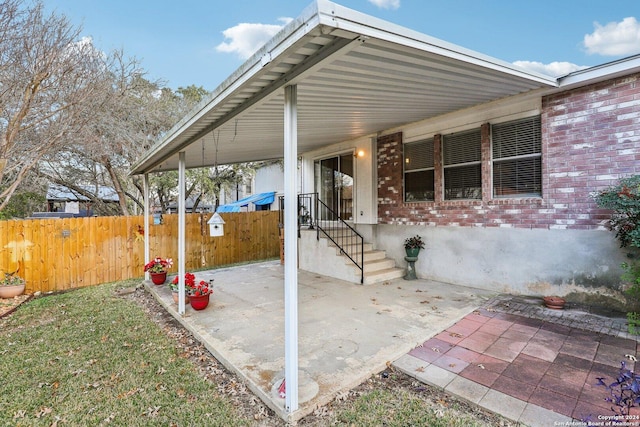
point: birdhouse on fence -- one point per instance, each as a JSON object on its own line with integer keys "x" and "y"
{"x": 157, "y": 219}
{"x": 216, "y": 225}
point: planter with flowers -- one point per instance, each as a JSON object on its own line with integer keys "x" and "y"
{"x": 157, "y": 268}
{"x": 196, "y": 294}
{"x": 412, "y": 246}
{"x": 199, "y": 295}
{"x": 189, "y": 281}
{"x": 11, "y": 286}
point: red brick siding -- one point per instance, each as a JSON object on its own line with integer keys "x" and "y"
{"x": 390, "y": 180}
{"x": 590, "y": 139}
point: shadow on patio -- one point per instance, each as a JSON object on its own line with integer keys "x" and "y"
{"x": 346, "y": 332}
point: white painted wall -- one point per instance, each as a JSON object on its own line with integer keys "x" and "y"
{"x": 269, "y": 178}
{"x": 522, "y": 261}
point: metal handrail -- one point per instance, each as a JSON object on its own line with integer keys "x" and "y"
{"x": 344, "y": 236}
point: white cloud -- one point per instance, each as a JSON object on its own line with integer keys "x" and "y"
{"x": 245, "y": 39}
{"x": 615, "y": 38}
{"x": 554, "y": 69}
{"x": 386, "y": 4}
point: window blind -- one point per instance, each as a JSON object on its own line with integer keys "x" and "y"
{"x": 418, "y": 171}
{"x": 517, "y": 158}
{"x": 418, "y": 155}
{"x": 461, "y": 157}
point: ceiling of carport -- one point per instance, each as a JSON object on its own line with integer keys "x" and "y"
{"x": 350, "y": 84}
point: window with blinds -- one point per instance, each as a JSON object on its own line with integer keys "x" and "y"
{"x": 462, "y": 167}
{"x": 517, "y": 158}
{"x": 418, "y": 171}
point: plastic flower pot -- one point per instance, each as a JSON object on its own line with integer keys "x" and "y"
{"x": 159, "y": 278}
{"x": 199, "y": 302}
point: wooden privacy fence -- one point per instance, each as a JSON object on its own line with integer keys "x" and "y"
{"x": 66, "y": 253}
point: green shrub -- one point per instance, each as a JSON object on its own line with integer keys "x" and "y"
{"x": 624, "y": 200}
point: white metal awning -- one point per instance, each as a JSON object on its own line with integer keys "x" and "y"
{"x": 356, "y": 75}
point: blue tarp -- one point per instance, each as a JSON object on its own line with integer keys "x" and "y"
{"x": 259, "y": 199}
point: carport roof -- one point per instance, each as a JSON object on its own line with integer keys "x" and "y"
{"x": 356, "y": 75}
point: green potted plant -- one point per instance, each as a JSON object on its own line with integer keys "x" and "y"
{"x": 412, "y": 246}
{"x": 11, "y": 285}
{"x": 157, "y": 268}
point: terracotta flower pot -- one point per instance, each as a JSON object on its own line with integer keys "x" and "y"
{"x": 555, "y": 303}
{"x": 159, "y": 278}
{"x": 175, "y": 296}
{"x": 199, "y": 302}
{"x": 11, "y": 291}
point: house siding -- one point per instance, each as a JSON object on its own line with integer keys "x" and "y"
{"x": 554, "y": 244}
{"x": 590, "y": 139}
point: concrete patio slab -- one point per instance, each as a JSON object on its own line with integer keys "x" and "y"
{"x": 347, "y": 332}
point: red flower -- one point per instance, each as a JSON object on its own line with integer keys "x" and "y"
{"x": 158, "y": 265}
{"x": 201, "y": 289}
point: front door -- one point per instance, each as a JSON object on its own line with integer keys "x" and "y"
{"x": 334, "y": 184}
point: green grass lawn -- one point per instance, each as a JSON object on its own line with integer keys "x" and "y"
{"x": 89, "y": 357}
{"x": 93, "y": 358}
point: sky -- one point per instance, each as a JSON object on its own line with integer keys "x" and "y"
{"x": 202, "y": 42}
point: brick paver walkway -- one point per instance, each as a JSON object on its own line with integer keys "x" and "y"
{"x": 540, "y": 358}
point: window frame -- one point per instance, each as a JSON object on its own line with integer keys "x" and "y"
{"x": 429, "y": 142}
{"x": 537, "y": 179}
{"x": 450, "y": 138}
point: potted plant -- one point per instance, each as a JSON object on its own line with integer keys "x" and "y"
{"x": 199, "y": 295}
{"x": 157, "y": 268}
{"x": 412, "y": 246}
{"x": 11, "y": 285}
{"x": 173, "y": 285}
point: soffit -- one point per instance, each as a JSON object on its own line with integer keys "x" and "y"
{"x": 350, "y": 84}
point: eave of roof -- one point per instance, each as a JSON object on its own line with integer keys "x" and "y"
{"x": 356, "y": 76}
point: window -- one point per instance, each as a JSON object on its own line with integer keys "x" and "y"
{"x": 462, "y": 167}
{"x": 418, "y": 171}
{"x": 517, "y": 158}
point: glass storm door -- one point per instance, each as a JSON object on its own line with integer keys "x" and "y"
{"x": 334, "y": 184}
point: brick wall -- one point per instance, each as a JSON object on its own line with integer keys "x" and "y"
{"x": 590, "y": 139}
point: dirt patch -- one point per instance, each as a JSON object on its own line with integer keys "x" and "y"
{"x": 9, "y": 305}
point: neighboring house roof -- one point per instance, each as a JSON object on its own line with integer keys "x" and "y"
{"x": 189, "y": 202}
{"x": 259, "y": 199}
{"x": 61, "y": 193}
{"x": 356, "y": 75}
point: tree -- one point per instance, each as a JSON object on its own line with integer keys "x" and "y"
{"x": 48, "y": 76}
{"x": 77, "y": 116}
{"x": 131, "y": 115}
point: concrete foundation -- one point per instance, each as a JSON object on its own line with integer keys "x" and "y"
{"x": 521, "y": 261}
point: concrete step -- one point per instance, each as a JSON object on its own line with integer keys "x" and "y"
{"x": 378, "y": 264}
{"x": 353, "y": 248}
{"x": 383, "y": 275}
{"x": 374, "y": 255}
